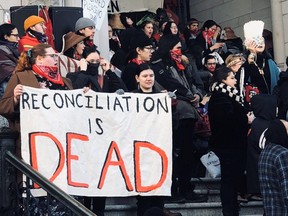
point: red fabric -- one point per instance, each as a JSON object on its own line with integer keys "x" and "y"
{"x": 27, "y": 42}
{"x": 137, "y": 61}
{"x": 208, "y": 35}
{"x": 176, "y": 56}
{"x": 49, "y": 72}
{"x": 48, "y": 23}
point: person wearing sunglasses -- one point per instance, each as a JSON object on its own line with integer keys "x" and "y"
{"x": 9, "y": 54}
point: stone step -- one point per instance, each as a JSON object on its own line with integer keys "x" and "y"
{"x": 213, "y": 196}
{"x": 188, "y": 209}
{"x": 206, "y": 183}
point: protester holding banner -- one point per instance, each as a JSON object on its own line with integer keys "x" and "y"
{"x": 88, "y": 76}
{"x": 36, "y": 68}
{"x": 145, "y": 79}
{"x": 170, "y": 73}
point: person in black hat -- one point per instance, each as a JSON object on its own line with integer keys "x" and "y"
{"x": 140, "y": 51}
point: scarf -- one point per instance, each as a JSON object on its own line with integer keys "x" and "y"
{"x": 208, "y": 35}
{"x": 12, "y": 46}
{"x": 49, "y": 72}
{"x": 228, "y": 90}
{"x": 42, "y": 38}
{"x": 89, "y": 42}
{"x": 137, "y": 61}
{"x": 176, "y": 57}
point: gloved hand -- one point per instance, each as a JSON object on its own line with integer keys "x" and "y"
{"x": 172, "y": 95}
{"x": 120, "y": 91}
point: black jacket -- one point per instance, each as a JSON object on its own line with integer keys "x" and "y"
{"x": 228, "y": 121}
{"x": 111, "y": 81}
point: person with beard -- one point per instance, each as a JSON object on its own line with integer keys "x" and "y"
{"x": 86, "y": 27}
{"x": 9, "y": 54}
{"x": 35, "y": 28}
{"x": 273, "y": 169}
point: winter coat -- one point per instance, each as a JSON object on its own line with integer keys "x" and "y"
{"x": 228, "y": 122}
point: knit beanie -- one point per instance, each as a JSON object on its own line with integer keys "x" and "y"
{"x": 140, "y": 39}
{"x": 83, "y": 23}
{"x": 31, "y": 21}
{"x": 168, "y": 41}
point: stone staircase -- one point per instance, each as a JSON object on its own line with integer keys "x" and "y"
{"x": 126, "y": 206}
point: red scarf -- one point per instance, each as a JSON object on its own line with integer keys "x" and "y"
{"x": 137, "y": 61}
{"x": 208, "y": 35}
{"x": 176, "y": 56}
{"x": 49, "y": 72}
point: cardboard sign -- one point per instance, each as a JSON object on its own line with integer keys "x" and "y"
{"x": 95, "y": 10}
{"x": 98, "y": 144}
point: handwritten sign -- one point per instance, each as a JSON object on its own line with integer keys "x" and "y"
{"x": 98, "y": 144}
{"x": 95, "y": 10}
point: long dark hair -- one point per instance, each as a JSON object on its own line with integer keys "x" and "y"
{"x": 220, "y": 74}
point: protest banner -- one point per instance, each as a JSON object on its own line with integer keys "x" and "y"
{"x": 98, "y": 144}
{"x": 95, "y": 10}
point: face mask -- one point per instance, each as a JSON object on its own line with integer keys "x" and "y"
{"x": 92, "y": 68}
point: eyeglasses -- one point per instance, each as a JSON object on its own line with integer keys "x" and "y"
{"x": 212, "y": 63}
{"x": 15, "y": 35}
{"x": 52, "y": 55}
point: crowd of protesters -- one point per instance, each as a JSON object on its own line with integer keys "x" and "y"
{"x": 198, "y": 66}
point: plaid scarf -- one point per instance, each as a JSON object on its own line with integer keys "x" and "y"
{"x": 228, "y": 90}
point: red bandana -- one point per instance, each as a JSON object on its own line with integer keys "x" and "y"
{"x": 176, "y": 56}
{"x": 137, "y": 61}
{"x": 49, "y": 72}
{"x": 208, "y": 35}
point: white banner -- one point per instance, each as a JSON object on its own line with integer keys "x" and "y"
{"x": 98, "y": 144}
{"x": 95, "y": 10}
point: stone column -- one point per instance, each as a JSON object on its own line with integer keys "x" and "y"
{"x": 278, "y": 33}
